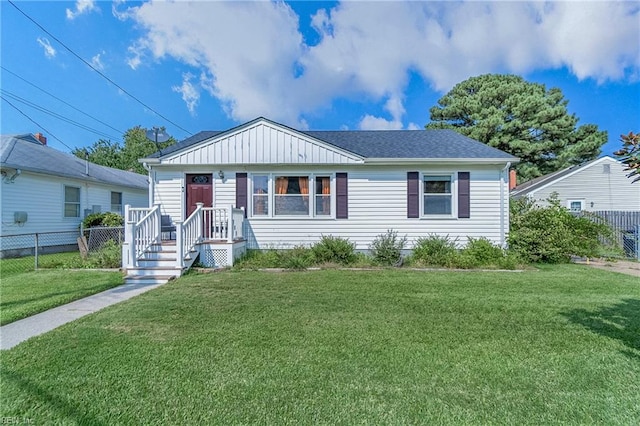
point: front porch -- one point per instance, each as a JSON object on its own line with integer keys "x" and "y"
{"x": 212, "y": 234}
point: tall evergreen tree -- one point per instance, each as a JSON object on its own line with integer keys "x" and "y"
{"x": 521, "y": 118}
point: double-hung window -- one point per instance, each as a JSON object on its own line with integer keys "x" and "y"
{"x": 116, "y": 202}
{"x": 291, "y": 195}
{"x": 575, "y": 205}
{"x": 71, "y": 201}
{"x": 437, "y": 195}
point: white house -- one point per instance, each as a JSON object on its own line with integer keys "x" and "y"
{"x": 598, "y": 185}
{"x": 45, "y": 190}
{"x": 296, "y": 186}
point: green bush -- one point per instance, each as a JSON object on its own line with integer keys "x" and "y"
{"x": 552, "y": 234}
{"x": 334, "y": 250}
{"x": 297, "y": 258}
{"x": 108, "y": 256}
{"x": 483, "y": 251}
{"x": 435, "y": 250}
{"x": 386, "y": 249}
{"x": 258, "y": 259}
{"x": 102, "y": 219}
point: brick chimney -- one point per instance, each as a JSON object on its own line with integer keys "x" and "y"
{"x": 513, "y": 179}
{"x": 42, "y": 138}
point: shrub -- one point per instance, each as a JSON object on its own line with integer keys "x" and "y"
{"x": 334, "y": 250}
{"x": 483, "y": 251}
{"x": 435, "y": 250}
{"x": 297, "y": 258}
{"x": 109, "y": 256}
{"x": 386, "y": 249}
{"x": 552, "y": 234}
{"x": 258, "y": 259}
{"x": 102, "y": 219}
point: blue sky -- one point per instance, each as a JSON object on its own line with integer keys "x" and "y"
{"x": 311, "y": 65}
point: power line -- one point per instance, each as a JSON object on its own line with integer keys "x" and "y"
{"x": 59, "y": 99}
{"x": 96, "y": 70}
{"x": 36, "y": 123}
{"x": 55, "y": 114}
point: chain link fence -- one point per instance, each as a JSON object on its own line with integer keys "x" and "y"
{"x": 28, "y": 252}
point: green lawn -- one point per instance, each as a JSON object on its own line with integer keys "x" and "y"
{"x": 558, "y": 345}
{"x": 28, "y": 293}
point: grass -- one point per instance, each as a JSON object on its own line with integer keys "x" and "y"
{"x": 45, "y": 261}
{"x": 28, "y": 293}
{"x": 557, "y": 345}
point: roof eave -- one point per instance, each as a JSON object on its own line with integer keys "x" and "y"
{"x": 441, "y": 160}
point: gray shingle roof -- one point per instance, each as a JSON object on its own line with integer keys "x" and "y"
{"x": 380, "y": 144}
{"x": 25, "y": 152}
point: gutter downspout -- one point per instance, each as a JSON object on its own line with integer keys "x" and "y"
{"x": 503, "y": 217}
{"x": 152, "y": 183}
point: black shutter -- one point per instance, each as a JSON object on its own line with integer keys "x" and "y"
{"x": 464, "y": 195}
{"x": 413, "y": 194}
{"x": 342, "y": 197}
{"x": 241, "y": 191}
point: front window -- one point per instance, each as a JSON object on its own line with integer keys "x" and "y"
{"x": 116, "y": 202}
{"x": 323, "y": 196}
{"x": 295, "y": 195}
{"x": 438, "y": 198}
{"x": 260, "y": 195}
{"x": 71, "y": 201}
{"x": 291, "y": 196}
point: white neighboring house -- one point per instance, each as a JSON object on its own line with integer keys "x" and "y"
{"x": 598, "y": 185}
{"x": 296, "y": 186}
{"x": 45, "y": 190}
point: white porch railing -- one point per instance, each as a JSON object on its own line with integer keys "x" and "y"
{"x": 142, "y": 229}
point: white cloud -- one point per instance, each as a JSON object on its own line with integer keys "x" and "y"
{"x": 96, "y": 62}
{"x": 369, "y": 122}
{"x": 82, "y": 6}
{"x": 252, "y": 55}
{"x": 190, "y": 94}
{"x": 49, "y": 51}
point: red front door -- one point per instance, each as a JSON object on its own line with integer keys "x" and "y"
{"x": 199, "y": 190}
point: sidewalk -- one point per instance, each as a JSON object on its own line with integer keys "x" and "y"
{"x": 21, "y": 330}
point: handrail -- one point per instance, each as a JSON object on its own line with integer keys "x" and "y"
{"x": 188, "y": 234}
{"x": 216, "y": 223}
{"x": 142, "y": 229}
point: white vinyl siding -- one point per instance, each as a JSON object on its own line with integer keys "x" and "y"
{"x": 377, "y": 202}
{"x": 47, "y": 214}
{"x": 599, "y": 188}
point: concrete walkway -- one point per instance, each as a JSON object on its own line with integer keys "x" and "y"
{"x": 21, "y": 330}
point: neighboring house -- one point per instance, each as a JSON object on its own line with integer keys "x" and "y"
{"x": 45, "y": 190}
{"x": 598, "y": 185}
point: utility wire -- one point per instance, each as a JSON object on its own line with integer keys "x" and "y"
{"x": 59, "y": 99}
{"x": 36, "y": 123}
{"x": 55, "y": 114}
{"x": 96, "y": 70}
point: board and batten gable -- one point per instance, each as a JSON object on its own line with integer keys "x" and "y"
{"x": 42, "y": 198}
{"x": 599, "y": 185}
{"x": 261, "y": 143}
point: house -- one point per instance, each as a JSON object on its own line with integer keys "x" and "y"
{"x": 292, "y": 187}
{"x": 598, "y": 185}
{"x": 45, "y": 190}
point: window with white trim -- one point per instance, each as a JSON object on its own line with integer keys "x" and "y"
{"x": 116, "y": 202}
{"x": 437, "y": 191}
{"x": 284, "y": 195}
{"x": 575, "y": 205}
{"x": 71, "y": 201}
